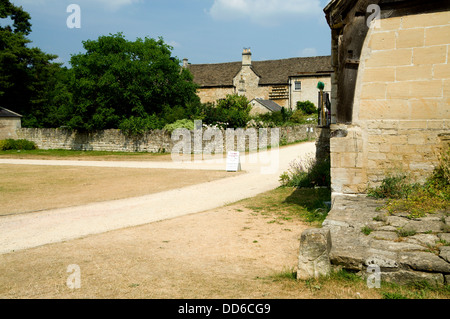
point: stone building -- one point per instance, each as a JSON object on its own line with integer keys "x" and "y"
{"x": 390, "y": 89}
{"x": 260, "y": 106}
{"x": 10, "y": 122}
{"x": 284, "y": 82}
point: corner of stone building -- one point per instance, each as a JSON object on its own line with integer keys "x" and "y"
{"x": 348, "y": 169}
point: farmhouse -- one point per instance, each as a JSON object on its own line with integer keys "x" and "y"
{"x": 285, "y": 82}
{"x": 390, "y": 89}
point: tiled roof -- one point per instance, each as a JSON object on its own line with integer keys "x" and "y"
{"x": 271, "y": 72}
{"x": 8, "y": 113}
{"x": 269, "y": 104}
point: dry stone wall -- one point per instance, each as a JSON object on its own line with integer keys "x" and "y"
{"x": 153, "y": 141}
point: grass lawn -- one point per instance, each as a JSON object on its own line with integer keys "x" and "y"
{"x": 243, "y": 250}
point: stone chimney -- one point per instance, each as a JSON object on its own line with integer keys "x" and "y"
{"x": 246, "y": 57}
{"x": 185, "y": 63}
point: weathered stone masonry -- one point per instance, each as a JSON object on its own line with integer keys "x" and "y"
{"x": 391, "y": 92}
{"x": 152, "y": 141}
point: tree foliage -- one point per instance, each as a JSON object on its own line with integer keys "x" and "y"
{"x": 117, "y": 80}
{"x": 27, "y": 75}
{"x": 231, "y": 112}
{"x": 306, "y": 107}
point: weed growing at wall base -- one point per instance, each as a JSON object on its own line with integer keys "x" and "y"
{"x": 416, "y": 199}
{"x": 307, "y": 172}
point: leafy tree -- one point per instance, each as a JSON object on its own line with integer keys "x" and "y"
{"x": 232, "y": 112}
{"x": 27, "y": 75}
{"x": 306, "y": 107}
{"x": 117, "y": 80}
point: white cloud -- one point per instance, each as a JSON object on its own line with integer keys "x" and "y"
{"x": 263, "y": 11}
{"x": 307, "y": 52}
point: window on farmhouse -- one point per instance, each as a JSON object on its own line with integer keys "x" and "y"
{"x": 298, "y": 86}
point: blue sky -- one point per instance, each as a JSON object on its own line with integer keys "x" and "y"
{"x": 204, "y": 31}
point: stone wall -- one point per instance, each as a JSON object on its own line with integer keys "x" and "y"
{"x": 362, "y": 156}
{"x": 394, "y": 256}
{"x": 401, "y": 105}
{"x": 152, "y": 141}
{"x": 8, "y": 127}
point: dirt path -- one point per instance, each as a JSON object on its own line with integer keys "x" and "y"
{"x": 228, "y": 252}
{"x": 32, "y": 230}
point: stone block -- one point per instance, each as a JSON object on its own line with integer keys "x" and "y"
{"x": 344, "y": 145}
{"x": 426, "y": 89}
{"x": 376, "y": 156}
{"x": 381, "y": 261}
{"x": 416, "y": 139}
{"x": 383, "y": 41}
{"x": 414, "y": 124}
{"x": 349, "y": 160}
{"x": 424, "y": 225}
{"x": 372, "y": 91}
{"x": 379, "y": 75}
{"x": 423, "y": 239}
{"x": 383, "y": 235}
{"x": 444, "y": 253}
{"x": 430, "y": 55}
{"x": 403, "y": 149}
{"x": 414, "y": 89}
{"x": 404, "y": 277}
{"x": 390, "y": 24}
{"x": 397, "y": 139}
{"x": 414, "y": 72}
{"x": 384, "y": 109}
{"x": 410, "y": 38}
{"x": 441, "y": 71}
{"x": 398, "y": 90}
{"x": 437, "y": 35}
{"x": 427, "y": 167}
{"x": 445, "y": 236}
{"x": 424, "y": 261}
{"x": 446, "y": 88}
{"x": 436, "y": 124}
{"x": 390, "y": 58}
{"x": 314, "y": 257}
{"x": 425, "y": 20}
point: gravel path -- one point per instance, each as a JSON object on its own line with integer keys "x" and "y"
{"x": 35, "y": 229}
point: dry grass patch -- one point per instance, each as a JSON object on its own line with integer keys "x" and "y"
{"x": 32, "y": 188}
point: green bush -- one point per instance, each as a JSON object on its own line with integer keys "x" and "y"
{"x": 418, "y": 200}
{"x": 307, "y": 107}
{"x": 10, "y": 144}
{"x": 185, "y": 123}
{"x": 135, "y": 126}
{"x": 397, "y": 186}
{"x": 231, "y": 112}
{"x": 307, "y": 173}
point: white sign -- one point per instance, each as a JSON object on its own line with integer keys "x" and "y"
{"x": 233, "y": 162}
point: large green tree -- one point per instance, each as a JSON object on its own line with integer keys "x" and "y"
{"x": 116, "y": 80}
{"x": 27, "y": 75}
